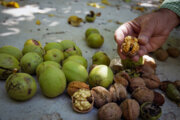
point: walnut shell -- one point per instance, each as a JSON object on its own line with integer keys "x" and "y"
{"x": 75, "y": 86}
{"x": 145, "y": 70}
{"x": 143, "y": 94}
{"x": 158, "y": 99}
{"x": 148, "y": 60}
{"x": 173, "y": 52}
{"x": 118, "y": 78}
{"x": 101, "y": 96}
{"x": 136, "y": 82}
{"x": 130, "y": 108}
{"x": 118, "y": 92}
{"x": 152, "y": 81}
{"x": 110, "y": 111}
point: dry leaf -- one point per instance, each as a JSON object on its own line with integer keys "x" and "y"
{"x": 38, "y": 22}
{"x": 74, "y": 21}
{"x": 10, "y": 4}
{"x": 142, "y": 9}
{"x": 98, "y": 14}
{"x": 95, "y": 5}
{"x": 51, "y": 15}
{"x": 110, "y": 21}
{"x": 120, "y": 23}
{"x": 106, "y": 2}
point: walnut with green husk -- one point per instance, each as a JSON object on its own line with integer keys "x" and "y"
{"x": 150, "y": 111}
{"x": 110, "y": 111}
{"x": 101, "y": 96}
{"x": 82, "y": 101}
{"x": 130, "y": 47}
{"x": 118, "y": 92}
{"x": 130, "y": 109}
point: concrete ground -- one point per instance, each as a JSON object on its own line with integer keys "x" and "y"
{"x": 19, "y": 24}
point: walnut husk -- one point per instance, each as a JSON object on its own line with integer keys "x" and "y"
{"x": 118, "y": 92}
{"x": 130, "y": 108}
{"x": 101, "y": 96}
{"x": 110, "y": 111}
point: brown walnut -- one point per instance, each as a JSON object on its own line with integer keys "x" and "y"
{"x": 161, "y": 55}
{"x": 118, "y": 92}
{"x": 173, "y": 52}
{"x": 101, "y": 96}
{"x": 118, "y": 78}
{"x": 136, "y": 83}
{"x": 110, "y": 111}
{"x": 152, "y": 81}
{"x": 130, "y": 108}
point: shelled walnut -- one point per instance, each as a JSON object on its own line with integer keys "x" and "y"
{"x": 101, "y": 96}
{"x": 82, "y": 101}
{"x": 130, "y": 46}
{"x": 118, "y": 92}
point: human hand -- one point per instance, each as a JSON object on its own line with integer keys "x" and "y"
{"x": 151, "y": 29}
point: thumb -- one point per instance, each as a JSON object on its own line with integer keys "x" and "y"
{"x": 145, "y": 34}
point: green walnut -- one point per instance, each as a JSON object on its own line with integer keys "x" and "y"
{"x": 130, "y": 64}
{"x": 173, "y": 93}
{"x": 77, "y": 58}
{"x": 53, "y": 45}
{"x": 33, "y": 48}
{"x": 90, "y": 31}
{"x": 42, "y": 66}
{"x": 100, "y": 58}
{"x": 21, "y": 86}
{"x": 32, "y": 42}
{"x": 8, "y": 65}
{"x": 72, "y": 51}
{"x": 11, "y": 51}
{"x": 67, "y": 44}
{"x": 75, "y": 71}
{"x": 54, "y": 55}
{"x": 30, "y": 61}
{"x": 52, "y": 81}
{"x": 150, "y": 111}
{"x": 100, "y": 75}
{"x": 95, "y": 40}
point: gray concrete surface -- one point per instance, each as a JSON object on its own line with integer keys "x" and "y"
{"x": 18, "y": 25}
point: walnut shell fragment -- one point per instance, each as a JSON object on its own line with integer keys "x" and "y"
{"x": 130, "y": 46}
{"x": 130, "y": 108}
{"x": 110, "y": 111}
{"x": 101, "y": 96}
{"x": 118, "y": 92}
{"x": 75, "y": 86}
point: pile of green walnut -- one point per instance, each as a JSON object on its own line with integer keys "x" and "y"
{"x": 60, "y": 65}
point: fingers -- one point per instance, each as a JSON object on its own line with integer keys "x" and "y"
{"x": 122, "y": 32}
{"x": 119, "y": 51}
{"x": 145, "y": 33}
